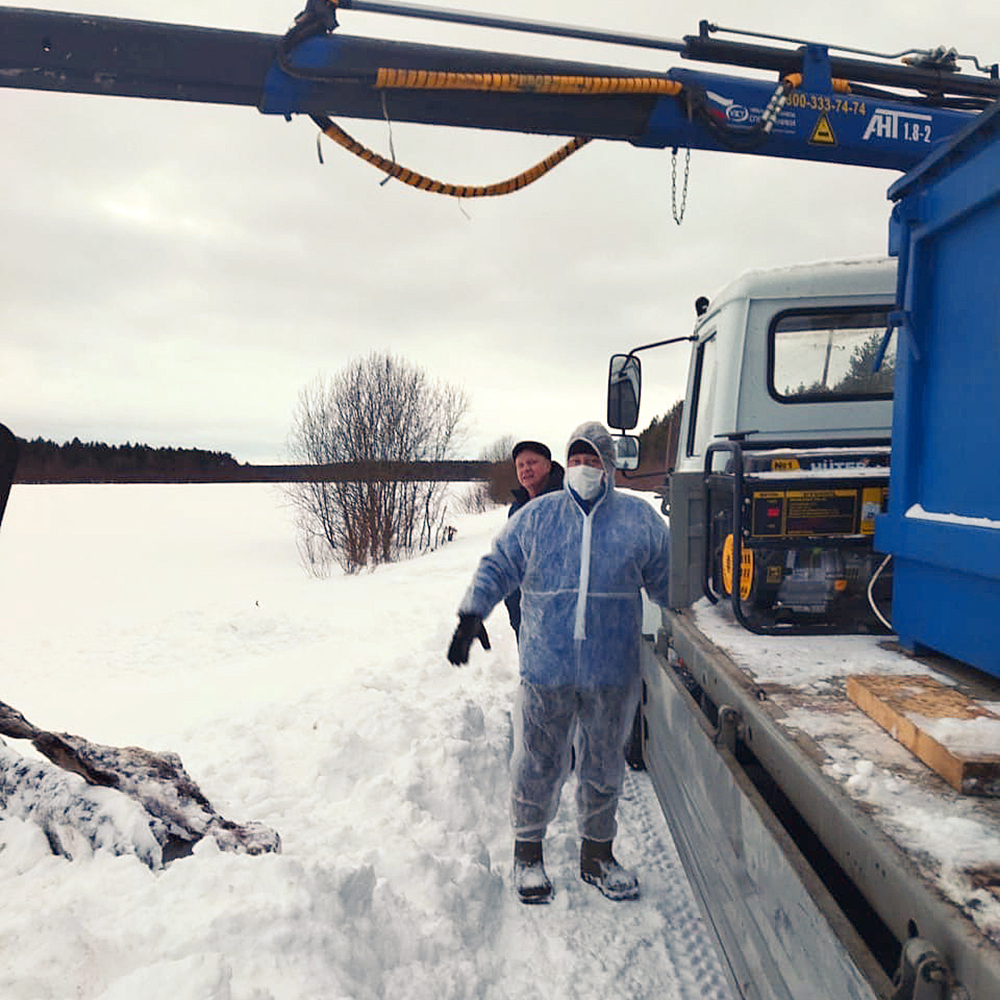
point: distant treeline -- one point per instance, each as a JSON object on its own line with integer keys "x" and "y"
{"x": 43, "y": 461}
{"x": 46, "y": 461}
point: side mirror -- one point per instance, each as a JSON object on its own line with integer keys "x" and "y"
{"x": 624, "y": 389}
{"x": 627, "y": 452}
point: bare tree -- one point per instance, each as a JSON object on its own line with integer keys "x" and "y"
{"x": 483, "y": 496}
{"x": 379, "y": 408}
{"x": 499, "y": 450}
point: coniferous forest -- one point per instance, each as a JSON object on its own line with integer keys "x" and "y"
{"x": 42, "y": 461}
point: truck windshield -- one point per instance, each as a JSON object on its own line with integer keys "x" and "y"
{"x": 828, "y": 355}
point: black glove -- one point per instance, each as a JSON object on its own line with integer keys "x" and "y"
{"x": 469, "y": 627}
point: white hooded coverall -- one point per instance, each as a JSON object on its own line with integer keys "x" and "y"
{"x": 580, "y": 572}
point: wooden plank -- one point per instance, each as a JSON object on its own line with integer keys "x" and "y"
{"x": 965, "y": 746}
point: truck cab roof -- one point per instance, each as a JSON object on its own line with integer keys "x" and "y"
{"x": 785, "y": 355}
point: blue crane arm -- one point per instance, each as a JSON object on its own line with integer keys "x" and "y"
{"x": 805, "y": 112}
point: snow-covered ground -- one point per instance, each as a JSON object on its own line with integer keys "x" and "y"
{"x": 179, "y": 618}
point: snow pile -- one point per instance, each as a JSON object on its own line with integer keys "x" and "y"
{"x": 978, "y": 737}
{"x": 179, "y": 617}
{"x": 952, "y": 838}
{"x": 917, "y": 513}
{"x": 75, "y": 818}
{"x": 177, "y": 814}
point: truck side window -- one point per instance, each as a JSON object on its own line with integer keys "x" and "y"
{"x": 703, "y": 401}
{"x": 828, "y": 355}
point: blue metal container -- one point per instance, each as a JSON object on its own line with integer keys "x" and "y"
{"x": 943, "y": 521}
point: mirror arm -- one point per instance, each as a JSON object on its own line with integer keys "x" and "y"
{"x": 662, "y": 343}
{"x": 626, "y": 474}
{"x": 630, "y": 357}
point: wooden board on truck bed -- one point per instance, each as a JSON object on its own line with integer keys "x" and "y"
{"x": 929, "y": 719}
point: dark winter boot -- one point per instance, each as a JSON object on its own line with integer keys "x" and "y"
{"x": 530, "y": 881}
{"x": 598, "y": 867}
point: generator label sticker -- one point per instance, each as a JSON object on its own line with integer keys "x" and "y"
{"x": 787, "y": 513}
{"x": 820, "y": 512}
{"x": 768, "y": 513}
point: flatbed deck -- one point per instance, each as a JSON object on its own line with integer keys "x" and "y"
{"x": 755, "y": 750}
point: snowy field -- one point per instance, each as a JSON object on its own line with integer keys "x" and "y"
{"x": 179, "y": 618}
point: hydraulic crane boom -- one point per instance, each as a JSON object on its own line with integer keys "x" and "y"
{"x": 819, "y": 108}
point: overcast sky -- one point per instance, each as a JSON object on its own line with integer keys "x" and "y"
{"x": 174, "y": 273}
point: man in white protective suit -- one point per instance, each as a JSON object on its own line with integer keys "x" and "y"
{"x": 580, "y": 556}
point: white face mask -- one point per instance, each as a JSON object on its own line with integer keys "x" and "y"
{"x": 585, "y": 481}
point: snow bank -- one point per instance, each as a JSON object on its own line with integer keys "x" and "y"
{"x": 179, "y": 617}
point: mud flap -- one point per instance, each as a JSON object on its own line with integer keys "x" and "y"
{"x": 633, "y": 747}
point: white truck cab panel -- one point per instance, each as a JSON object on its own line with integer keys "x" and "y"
{"x": 756, "y": 358}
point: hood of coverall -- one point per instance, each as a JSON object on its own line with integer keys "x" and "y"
{"x": 594, "y": 433}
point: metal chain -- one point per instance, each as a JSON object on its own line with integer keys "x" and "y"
{"x": 392, "y": 148}
{"x": 679, "y": 216}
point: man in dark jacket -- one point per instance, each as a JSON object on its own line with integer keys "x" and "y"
{"x": 536, "y": 474}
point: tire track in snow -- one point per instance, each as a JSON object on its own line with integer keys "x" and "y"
{"x": 585, "y": 947}
{"x": 643, "y": 832}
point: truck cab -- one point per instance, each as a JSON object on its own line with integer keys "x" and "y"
{"x": 780, "y": 359}
{"x": 782, "y": 469}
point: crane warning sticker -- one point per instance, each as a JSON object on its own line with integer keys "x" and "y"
{"x": 822, "y": 134}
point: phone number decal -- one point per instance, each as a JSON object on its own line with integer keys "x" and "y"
{"x": 827, "y": 103}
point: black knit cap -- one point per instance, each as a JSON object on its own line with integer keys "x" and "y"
{"x": 580, "y": 447}
{"x": 535, "y": 446}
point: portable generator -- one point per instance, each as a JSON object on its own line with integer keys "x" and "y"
{"x": 790, "y": 533}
